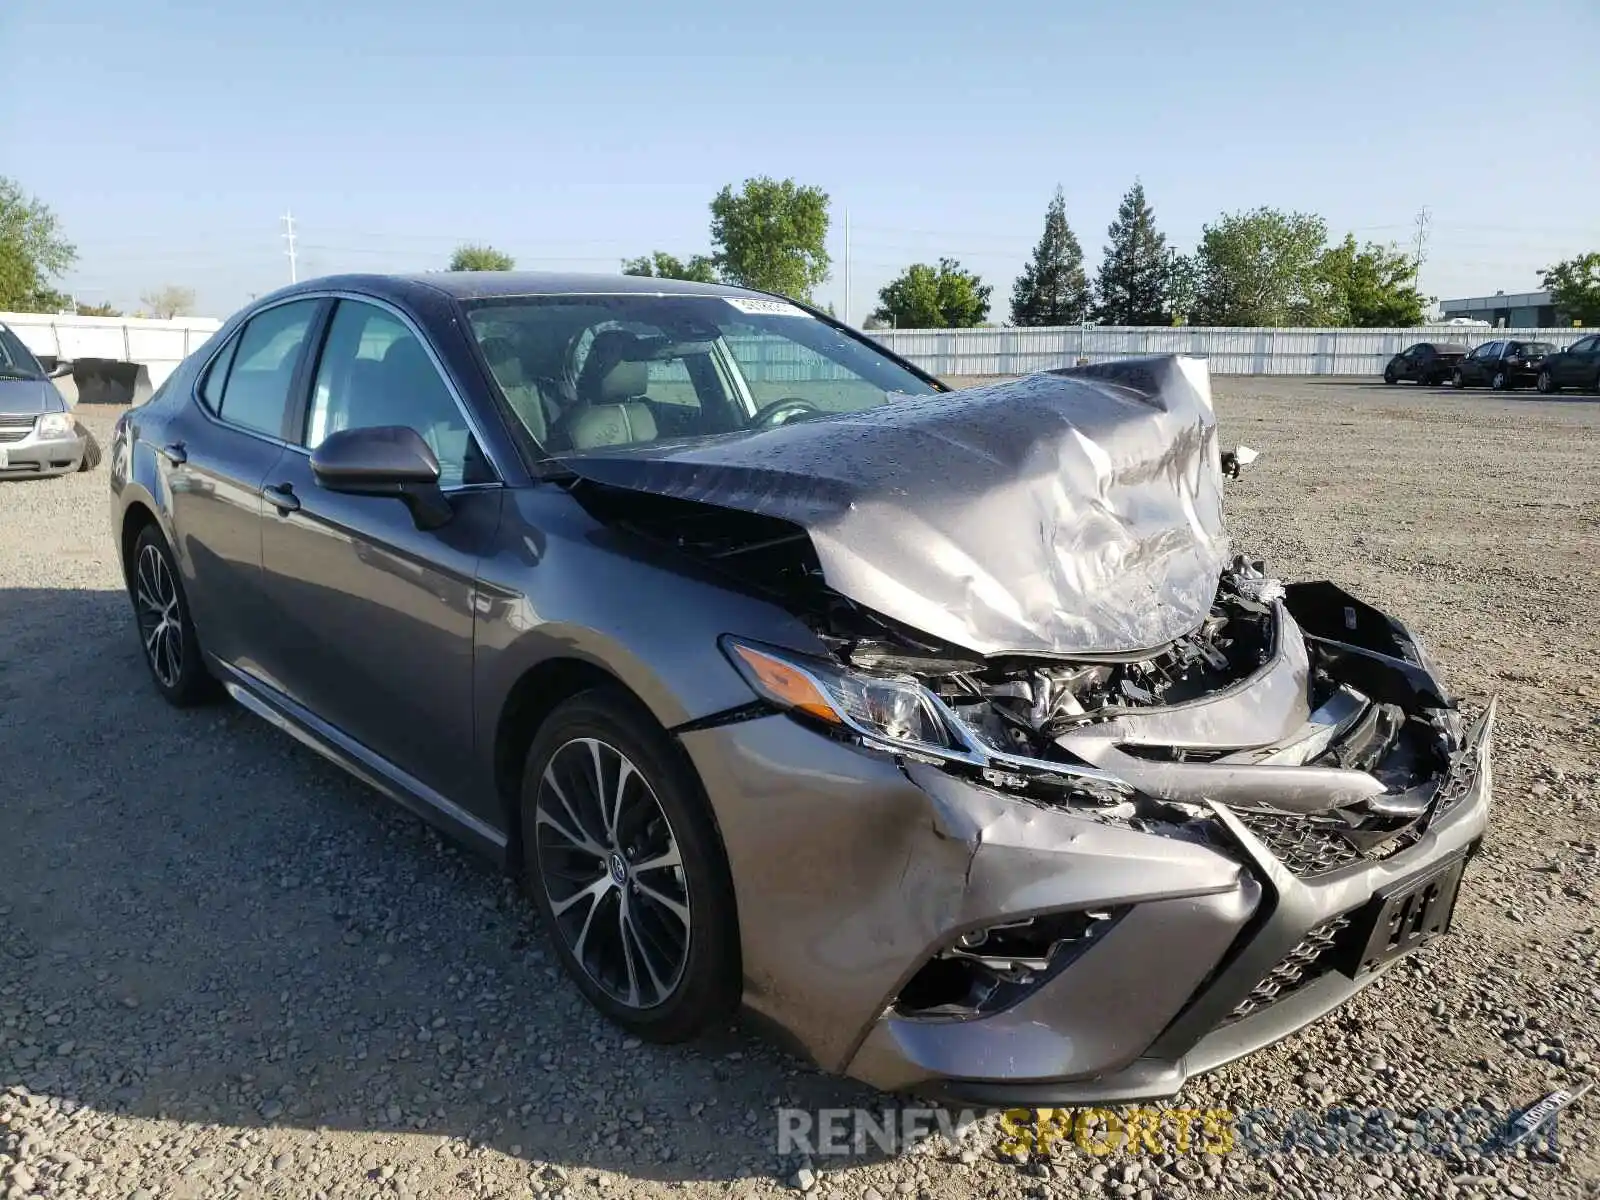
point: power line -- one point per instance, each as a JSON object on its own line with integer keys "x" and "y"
{"x": 288, "y": 236}
{"x": 1423, "y": 218}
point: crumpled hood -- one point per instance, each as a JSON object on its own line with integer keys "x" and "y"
{"x": 1076, "y": 511}
{"x": 29, "y": 397}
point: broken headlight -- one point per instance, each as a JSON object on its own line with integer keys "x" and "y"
{"x": 884, "y": 708}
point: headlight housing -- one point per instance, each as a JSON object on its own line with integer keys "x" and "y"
{"x": 890, "y": 709}
{"x": 57, "y": 425}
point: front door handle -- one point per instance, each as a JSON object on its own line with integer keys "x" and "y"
{"x": 282, "y": 498}
{"x": 175, "y": 453}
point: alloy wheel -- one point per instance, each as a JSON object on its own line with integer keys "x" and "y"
{"x": 1499, "y": 381}
{"x": 1458, "y": 380}
{"x": 1546, "y": 384}
{"x": 611, "y": 869}
{"x": 160, "y": 617}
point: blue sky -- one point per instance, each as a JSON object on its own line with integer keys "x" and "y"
{"x": 171, "y": 135}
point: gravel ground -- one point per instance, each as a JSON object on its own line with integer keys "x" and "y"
{"x": 228, "y": 970}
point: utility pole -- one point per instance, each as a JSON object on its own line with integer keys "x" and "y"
{"x": 847, "y": 266}
{"x": 288, "y": 236}
{"x": 1424, "y": 219}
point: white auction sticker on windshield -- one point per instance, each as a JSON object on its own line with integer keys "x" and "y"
{"x": 766, "y": 308}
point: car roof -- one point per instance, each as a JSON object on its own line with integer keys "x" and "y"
{"x": 482, "y": 285}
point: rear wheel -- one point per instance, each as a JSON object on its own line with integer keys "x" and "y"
{"x": 1500, "y": 381}
{"x": 171, "y": 649}
{"x": 1545, "y": 383}
{"x": 627, "y": 870}
{"x": 1457, "y": 379}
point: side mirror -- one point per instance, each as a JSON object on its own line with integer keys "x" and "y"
{"x": 1237, "y": 459}
{"x": 60, "y": 369}
{"x": 384, "y": 460}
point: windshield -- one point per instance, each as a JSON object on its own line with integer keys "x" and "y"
{"x": 16, "y": 362}
{"x": 586, "y": 372}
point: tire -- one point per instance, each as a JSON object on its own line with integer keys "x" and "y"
{"x": 680, "y": 973}
{"x": 1546, "y": 384}
{"x": 166, "y": 632}
{"x": 1389, "y": 375}
{"x": 1500, "y": 381}
{"x": 91, "y": 450}
{"x": 1458, "y": 380}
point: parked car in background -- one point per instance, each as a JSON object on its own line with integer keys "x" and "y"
{"x": 1501, "y": 365}
{"x": 38, "y": 433}
{"x": 1426, "y": 362}
{"x": 662, "y": 594}
{"x": 1578, "y": 366}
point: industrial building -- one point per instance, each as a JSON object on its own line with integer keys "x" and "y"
{"x": 1522, "y": 310}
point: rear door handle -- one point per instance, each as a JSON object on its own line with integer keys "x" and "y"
{"x": 282, "y": 498}
{"x": 175, "y": 453}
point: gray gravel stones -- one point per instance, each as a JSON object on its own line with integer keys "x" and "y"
{"x": 228, "y": 970}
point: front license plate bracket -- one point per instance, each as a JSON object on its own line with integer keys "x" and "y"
{"x": 1402, "y": 917}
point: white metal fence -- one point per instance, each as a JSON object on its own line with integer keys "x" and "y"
{"x": 958, "y": 352}
{"x": 158, "y": 345}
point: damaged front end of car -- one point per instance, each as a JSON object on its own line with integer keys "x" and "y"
{"x": 1178, "y": 807}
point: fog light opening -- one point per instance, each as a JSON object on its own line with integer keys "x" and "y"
{"x": 989, "y": 969}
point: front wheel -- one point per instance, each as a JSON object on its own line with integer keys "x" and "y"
{"x": 1388, "y": 374}
{"x": 1545, "y": 383}
{"x": 1458, "y": 380}
{"x": 627, "y": 870}
{"x": 171, "y": 649}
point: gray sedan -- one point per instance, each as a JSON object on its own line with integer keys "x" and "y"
{"x": 38, "y": 433}
{"x": 942, "y": 729}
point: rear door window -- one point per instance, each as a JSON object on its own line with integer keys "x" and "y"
{"x": 256, "y": 393}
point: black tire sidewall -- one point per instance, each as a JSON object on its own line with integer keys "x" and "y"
{"x": 195, "y": 684}
{"x": 709, "y": 991}
{"x": 1499, "y": 381}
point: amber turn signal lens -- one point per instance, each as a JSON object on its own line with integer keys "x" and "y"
{"x": 785, "y": 685}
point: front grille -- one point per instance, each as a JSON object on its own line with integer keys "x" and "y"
{"x": 1310, "y": 960}
{"x": 1305, "y": 846}
{"x": 14, "y": 429}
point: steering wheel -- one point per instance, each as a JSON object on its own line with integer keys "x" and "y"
{"x": 779, "y": 411}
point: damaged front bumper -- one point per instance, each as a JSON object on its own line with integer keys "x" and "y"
{"x": 857, "y": 871}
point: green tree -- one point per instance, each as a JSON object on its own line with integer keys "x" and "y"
{"x": 1574, "y": 285}
{"x": 32, "y": 252}
{"x": 661, "y": 265}
{"x": 98, "y": 310}
{"x": 1261, "y": 268}
{"x": 942, "y": 297}
{"x": 169, "y": 301}
{"x": 771, "y": 235}
{"x": 1135, "y": 282}
{"x": 481, "y": 258}
{"x": 1052, "y": 289}
{"x": 1373, "y": 287}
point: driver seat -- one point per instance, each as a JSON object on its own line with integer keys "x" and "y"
{"x": 611, "y": 392}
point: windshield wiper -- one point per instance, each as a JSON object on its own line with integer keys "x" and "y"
{"x": 17, "y": 373}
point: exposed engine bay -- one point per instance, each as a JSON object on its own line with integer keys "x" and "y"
{"x": 1307, "y": 713}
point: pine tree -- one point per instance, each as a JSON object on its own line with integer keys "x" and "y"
{"x": 1052, "y": 289}
{"x": 1135, "y": 285}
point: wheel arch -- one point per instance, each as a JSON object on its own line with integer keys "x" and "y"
{"x": 136, "y": 517}
{"x": 537, "y": 693}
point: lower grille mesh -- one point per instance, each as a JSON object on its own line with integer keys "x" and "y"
{"x": 1308, "y": 961}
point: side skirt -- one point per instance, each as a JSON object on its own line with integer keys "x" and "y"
{"x": 372, "y": 769}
